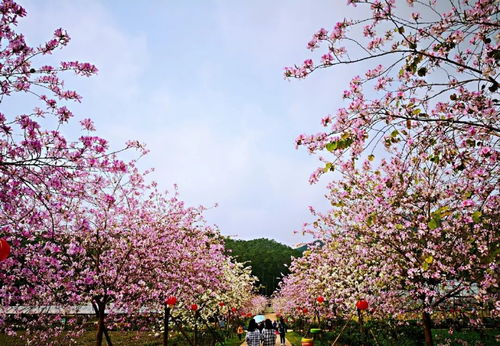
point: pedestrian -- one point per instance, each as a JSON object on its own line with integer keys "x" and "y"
{"x": 268, "y": 335}
{"x": 239, "y": 331}
{"x": 253, "y": 337}
{"x": 282, "y": 327}
{"x": 261, "y": 326}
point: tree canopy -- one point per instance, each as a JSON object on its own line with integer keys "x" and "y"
{"x": 268, "y": 258}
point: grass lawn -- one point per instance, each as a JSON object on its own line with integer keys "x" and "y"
{"x": 119, "y": 338}
{"x": 234, "y": 341}
{"x": 88, "y": 338}
{"x": 294, "y": 338}
{"x": 487, "y": 337}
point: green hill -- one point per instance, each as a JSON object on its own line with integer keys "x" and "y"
{"x": 268, "y": 259}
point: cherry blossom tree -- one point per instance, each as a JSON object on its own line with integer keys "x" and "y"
{"x": 406, "y": 237}
{"x": 436, "y": 69}
{"x": 36, "y": 160}
{"x": 42, "y": 173}
{"x": 84, "y": 226}
{"x": 419, "y": 221}
{"x": 221, "y": 298}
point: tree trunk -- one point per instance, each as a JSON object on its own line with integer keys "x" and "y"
{"x": 108, "y": 338}
{"x": 361, "y": 327}
{"x": 165, "y": 325}
{"x": 100, "y": 324}
{"x": 98, "y": 306}
{"x": 426, "y": 318}
{"x": 195, "y": 333}
{"x": 100, "y": 310}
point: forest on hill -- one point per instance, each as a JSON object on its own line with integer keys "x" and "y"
{"x": 268, "y": 258}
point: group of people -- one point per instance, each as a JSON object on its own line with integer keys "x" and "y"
{"x": 265, "y": 332}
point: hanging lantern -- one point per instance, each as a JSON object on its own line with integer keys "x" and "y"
{"x": 307, "y": 342}
{"x": 193, "y": 307}
{"x": 171, "y": 301}
{"x": 221, "y": 304}
{"x": 320, "y": 300}
{"x": 362, "y": 304}
{"x": 4, "y": 249}
{"x": 233, "y": 309}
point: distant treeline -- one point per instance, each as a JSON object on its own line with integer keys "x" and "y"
{"x": 268, "y": 259}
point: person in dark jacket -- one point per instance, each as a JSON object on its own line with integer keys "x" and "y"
{"x": 282, "y": 327}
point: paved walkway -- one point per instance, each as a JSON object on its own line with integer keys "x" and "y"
{"x": 272, "y": 317}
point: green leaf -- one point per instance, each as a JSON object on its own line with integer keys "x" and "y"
{"x": 343, "y": 143}
{"x": 370, "y": 219}
{"x": 439, "y": 213}
{"x": 433, "y": 224}
{"x": 476, "y": 216}
{"x": 346, "y": 143}
{"x": 331, "y": 146}
{"x": 328, "y": 167}
{"x": 394, "y": 133}
{"x": 425, "y": 265}
{"x": 371, "y": 157}
{"x": 434, "y": 158}
{"x": 429, "y": 259}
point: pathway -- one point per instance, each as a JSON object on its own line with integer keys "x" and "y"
{"x": 272, "y": 317}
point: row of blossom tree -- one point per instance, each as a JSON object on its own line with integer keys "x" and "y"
{"x": 415, "y": 213}
{"x": 85, "y": 228}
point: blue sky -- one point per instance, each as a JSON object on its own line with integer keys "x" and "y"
{"x": 201, "y": 83}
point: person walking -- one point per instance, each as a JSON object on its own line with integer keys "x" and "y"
{"x": 254, "y": 337}
{"x": 268, "y": 336}
{"x": 282, "y": 327}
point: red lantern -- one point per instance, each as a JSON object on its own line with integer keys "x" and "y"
{"x": 305, "y": 310}
{"x": 362, "y": 304}
{"x": 320, "y": 300}
{"x": 221, "y": 304}
{"x": 170, "y": 301}
{"x": 4, "y": 249}
{"x": 193, "y": 307}
{"x": 233, "y": 309}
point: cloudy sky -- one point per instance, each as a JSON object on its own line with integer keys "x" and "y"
{"x": 201, "y": 83}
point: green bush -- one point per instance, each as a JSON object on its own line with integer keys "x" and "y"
{"x": 409, "y": 333}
